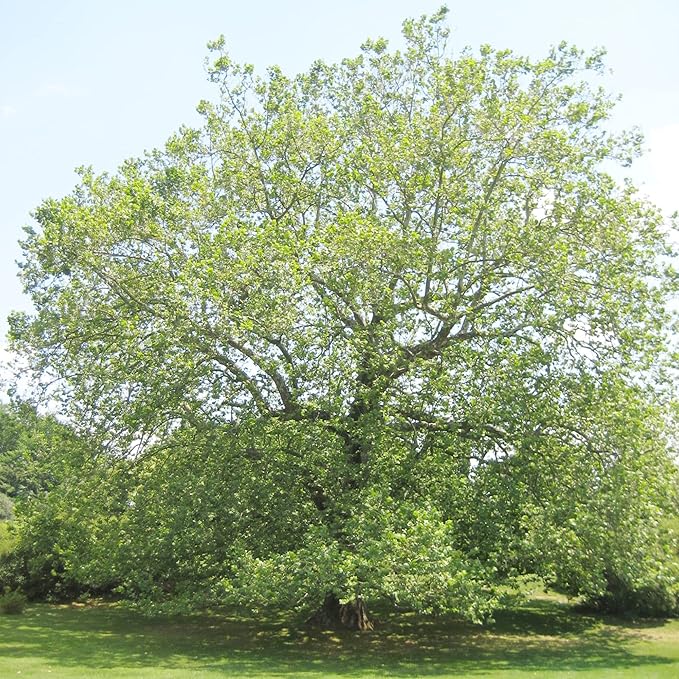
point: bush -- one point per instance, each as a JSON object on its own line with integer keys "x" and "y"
{"x": 12, "y": 571}
{"x": 657, "y": 599}
{"x": 13, "y": 602}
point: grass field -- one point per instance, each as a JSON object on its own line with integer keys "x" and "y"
{"x": 544, "y": 638}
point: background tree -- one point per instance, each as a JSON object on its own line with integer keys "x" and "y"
{"x": 40, "y": 458}
{"x": 405, "y": 296}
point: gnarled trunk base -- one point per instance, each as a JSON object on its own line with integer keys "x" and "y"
{"x": 333, "y": 614}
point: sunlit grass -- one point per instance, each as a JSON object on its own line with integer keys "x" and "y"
{"x": 543, "y": 638}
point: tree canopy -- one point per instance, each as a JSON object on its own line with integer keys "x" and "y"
{"x": 389, "y": 328}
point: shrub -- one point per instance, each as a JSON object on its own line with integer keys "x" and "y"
{"x": 12, "y": 602}
{"x": 658, "y": 597}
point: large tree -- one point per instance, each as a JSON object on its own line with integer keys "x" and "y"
{"x": 402, "y": 298}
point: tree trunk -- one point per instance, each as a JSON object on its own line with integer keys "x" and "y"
{"x": 352, "y": 615}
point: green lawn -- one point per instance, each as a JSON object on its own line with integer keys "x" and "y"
{"x": 543, "y": 638}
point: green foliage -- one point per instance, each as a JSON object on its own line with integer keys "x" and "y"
{"x": 593, "y": 522}
{"x": 12, "y": 603}
{"x": 384, "y": 329}
{"x": 7, "y": 538}
{"x": 31, "y": 446}
{"x": 49, "y": 469}
{"x": 9, "y": 564}
{"x": 416, "y": 568}
{"x": 6, "y": 507}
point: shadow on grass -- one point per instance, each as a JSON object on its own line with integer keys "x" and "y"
{"x": 539, "y": 637}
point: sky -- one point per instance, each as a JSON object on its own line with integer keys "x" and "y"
{"x": 86, "y": 82}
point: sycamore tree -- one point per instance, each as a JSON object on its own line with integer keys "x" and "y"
{"x": 397, "y": 310}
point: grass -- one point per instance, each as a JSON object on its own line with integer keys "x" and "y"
{"x": 543, "y": 638}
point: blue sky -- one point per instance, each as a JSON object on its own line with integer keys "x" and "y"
{"x": 92, "y": 82}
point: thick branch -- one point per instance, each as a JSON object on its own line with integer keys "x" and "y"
{"x": 463, "y": 428}
{"x": 271, "y": 372}
{"x": 246, "y": 380}
{"x": 322, "y": 288}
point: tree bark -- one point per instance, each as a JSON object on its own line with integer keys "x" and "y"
{"x": 333, "y": 614}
